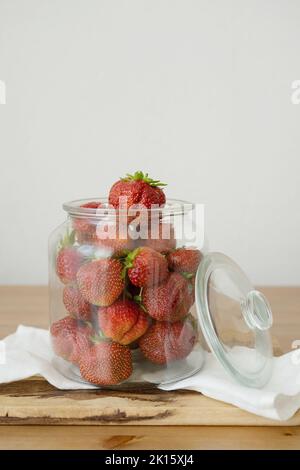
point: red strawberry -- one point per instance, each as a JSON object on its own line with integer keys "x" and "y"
{"x": 86, "y": 227}
{"x": 170, "y": 301}
{"x": 76, "y": 304}
{"x": 146, "y": 267}
{"x": 162, "y": 241}
{"x": 106, "y": 363}
{"x": 123, "y": 322}
{"x": 166, "y": 342}
{"x": 82, "y": 224}
{"x": 101, "y": 282}
{"x": 138, "y": 189}
{"x": 70, "y": 338}
{"x": 68, "y": 262}
{"x": 92, "y": 205}
{"x": 184, "y": 260}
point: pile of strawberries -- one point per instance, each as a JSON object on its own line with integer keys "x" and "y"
{"x": 138, "y": 296}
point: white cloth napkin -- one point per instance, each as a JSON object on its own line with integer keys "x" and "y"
{"x": 28, "y": 352}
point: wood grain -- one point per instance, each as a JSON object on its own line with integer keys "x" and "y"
{"x": 232, "y": 428}
{"x": 148, "y": 437}
{"x": 37, "y": 402}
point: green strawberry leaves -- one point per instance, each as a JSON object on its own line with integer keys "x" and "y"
{"x": 139, "y": 300}
{"x": 67, "y": 240}
{"x": 140, "y": 176}
{"x": 128, "y": 261}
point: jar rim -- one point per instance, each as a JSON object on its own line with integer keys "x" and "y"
{"x": 171, "y": 207}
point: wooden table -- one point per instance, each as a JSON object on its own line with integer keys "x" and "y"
{"x": 29, "y": 305}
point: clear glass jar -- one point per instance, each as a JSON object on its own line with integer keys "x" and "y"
{"x": 135, "y": 299}
{"x": 122, "y": 294}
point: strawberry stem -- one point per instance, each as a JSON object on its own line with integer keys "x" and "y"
{"x": 189, "y": 318}
{"x": 139, "y": 300}
{"x": 142, "y": 306}
{"x": 186, "y": 275}
{"x": 97, "y": 338}
{"x": 140, "y": 176}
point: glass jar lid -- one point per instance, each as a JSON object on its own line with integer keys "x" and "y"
{"x": 235, "y": 320}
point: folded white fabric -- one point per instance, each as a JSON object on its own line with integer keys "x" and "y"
{"x": 28, "y": 352}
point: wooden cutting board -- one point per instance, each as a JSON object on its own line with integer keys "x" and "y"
{"x": 34, "y": 401}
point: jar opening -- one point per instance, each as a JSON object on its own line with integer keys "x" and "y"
{"x": 171, "y": 207}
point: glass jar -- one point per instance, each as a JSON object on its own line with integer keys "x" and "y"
{"x": 123, "y": 286}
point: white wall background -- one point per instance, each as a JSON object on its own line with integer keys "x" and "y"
{"x": 196, "y": 92}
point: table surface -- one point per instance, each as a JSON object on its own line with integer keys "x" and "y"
{"x": 29, "y": 305}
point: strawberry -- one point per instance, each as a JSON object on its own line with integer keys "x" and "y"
{"x": 123, "y": 322}
{"x": 146, "y": 267}
{"x": 184, "y": 260}
{"x": 106, "y": 363}
{"x": 76, "y": 304}
{"x": 92, "y": 205}
{"x": 169, "y": 301}
{"x": 101, "y": 282}
{"x": 68, "y": 262}
{"x": 85, "y": 228}
{"x": 70, "y": 338}
{"x": 166, "y": 342}
{"x": 139, "y": 189}
{"x": 86, "y": 225}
